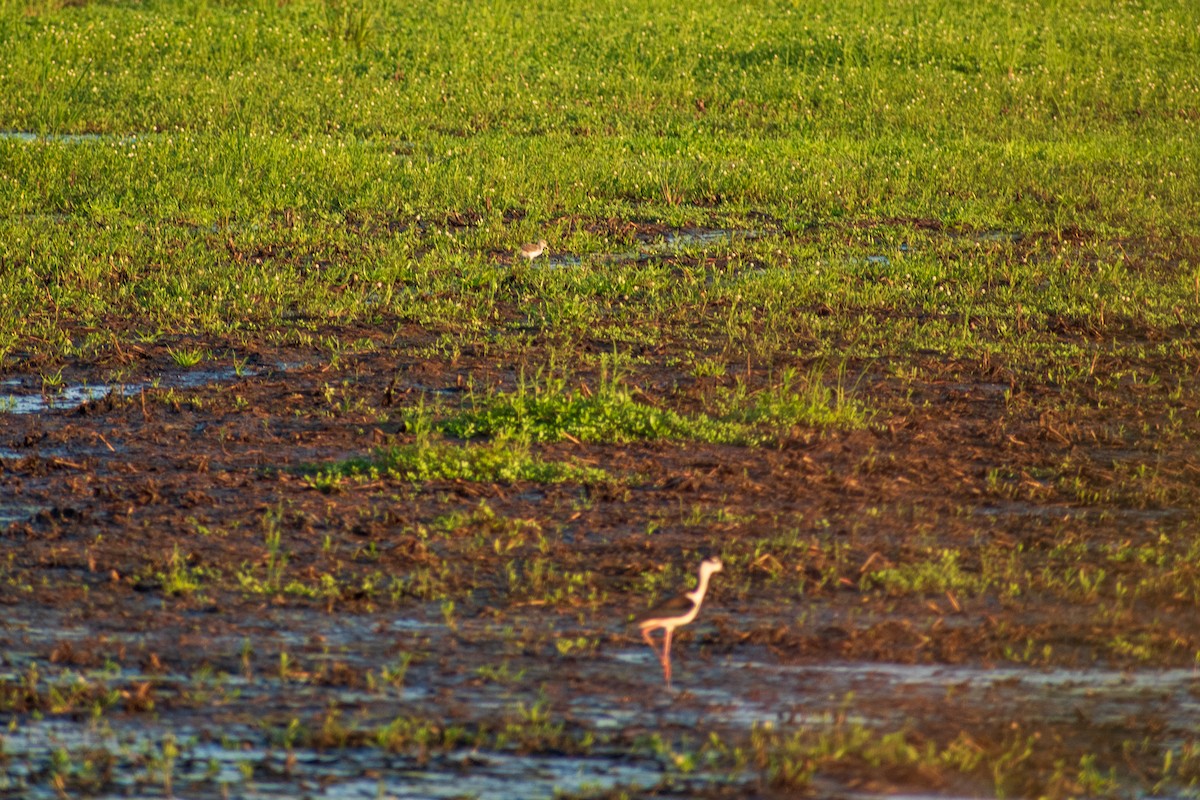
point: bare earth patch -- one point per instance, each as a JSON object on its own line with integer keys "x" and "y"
{"x": 997, "y": 573}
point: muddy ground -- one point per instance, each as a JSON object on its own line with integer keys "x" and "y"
{"x": 155, "y": 638}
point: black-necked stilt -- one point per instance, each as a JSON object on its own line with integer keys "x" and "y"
{"x": 675, "y": 612}
{"x": 533, "y": 250}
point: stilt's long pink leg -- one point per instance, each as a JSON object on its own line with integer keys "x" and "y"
{"x": 667, "y": 655}
{"x": 654, "y": 647}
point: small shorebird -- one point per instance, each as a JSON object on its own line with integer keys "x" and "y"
{"x": 533, "y": 249}
{"x": 675, "y": 612}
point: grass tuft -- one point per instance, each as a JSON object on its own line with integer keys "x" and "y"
{"x": 503, "y": 461}
{"x": 547, "y": 412}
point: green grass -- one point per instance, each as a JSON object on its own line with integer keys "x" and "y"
{"x": 432, "y": 460}
{"x": 545, "y": 410}
{"x": 796, "y": 400}
{"x": 940, "y": 574}
{"x": 263, "y": 161}
{"x": 186, "y": 357}
{"x": 180, "y": 578}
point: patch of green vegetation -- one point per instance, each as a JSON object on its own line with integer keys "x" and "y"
{"x": 793, "y": 760}
{"x": 958, "y": 182}
{"x": 187, "y": 357}
{"x": 1162, "y": 569}
{"x": 544, "y": 581}
{"x": 502, "y": 673}
{"x": 576, "y": 647}
{"x": 52, "y": 381}
{"x": 503, "y": 461}
{"x": 394, "y": 674}
{"x": 527, "y": 728}
{"x": 274, "y": 562}
{"x": 794, "y": 401}
{"x": 1016, "y": 762}
{"x": 489, "y": 530}
{"x": 432, "y": 582}
{"x": 548, "y": 411}
{"x": 180, "y": 578}
{"x": 34, "y": 691}
{"x": 942, "y": 573}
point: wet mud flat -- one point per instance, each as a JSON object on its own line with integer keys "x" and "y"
{"x": 226, "y": 580}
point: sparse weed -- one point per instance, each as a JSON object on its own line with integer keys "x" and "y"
{"x": 794, "y": 402}
{"x": 187, "y": 357}
{"x": 179, "y": 577}
{"x": 52, "y": 381}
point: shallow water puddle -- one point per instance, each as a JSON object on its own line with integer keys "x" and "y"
{"x": 612, "y": 692}
{"x": 138, "y": 758}
{"x": 29, "y": 137}
{"x": 883, "y": 692}
{"x": 738, "y": 693}
{"x": 651, "y": 246}
{"x": 701, "y": 237}
{"x": 502, "y": 776}
{"x": 1006, "y": 237}
{"x": 17, "y": 512}
{"x": 67, "y": 398}
{"x": 250, "y": 761}
{"x": 1021, "y": 508}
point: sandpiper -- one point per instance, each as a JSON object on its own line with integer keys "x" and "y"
{"x": 675, "y": 612}
{"x": 532, "y": 250}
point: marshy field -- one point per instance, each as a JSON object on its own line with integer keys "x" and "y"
{"x": 310, "y": 485}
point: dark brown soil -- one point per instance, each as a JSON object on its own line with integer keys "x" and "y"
{"x": 104, "y": 502}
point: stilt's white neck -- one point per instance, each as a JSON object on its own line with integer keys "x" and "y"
{"x": 697, "y": 594}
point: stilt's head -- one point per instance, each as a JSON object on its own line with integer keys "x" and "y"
{"x": 710, "y": 565}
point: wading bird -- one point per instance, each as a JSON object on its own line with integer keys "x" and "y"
{"x": 533, "y": 249}
{"x": 675, "y": 612}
